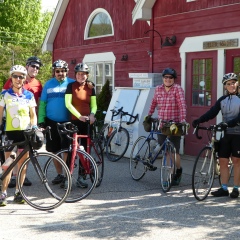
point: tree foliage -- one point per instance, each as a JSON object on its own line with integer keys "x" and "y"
{"x": 103, "y": 100}
{"x": 22, "y": 31}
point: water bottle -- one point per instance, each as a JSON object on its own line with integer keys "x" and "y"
{"x": 81, "y": 148}
{"x": 153, "y": 143}
{"x": 10, "y": 159}
{"x": 157, "y": 148}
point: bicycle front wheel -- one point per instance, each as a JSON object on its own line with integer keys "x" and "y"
{"x": 203, "y": 173}
{"x": 117, "y": 144}
{"x": 43, "y": 195}
{"x": 97, "y": 155}
{"x": 139, "y": 156}
{"x": 84, "y": 174}
{"x": 167, "y": 169}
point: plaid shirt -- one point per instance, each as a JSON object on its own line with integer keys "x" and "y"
{"x": 171, "y": 105}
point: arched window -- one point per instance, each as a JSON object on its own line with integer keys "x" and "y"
{"x": 99, "y": 24}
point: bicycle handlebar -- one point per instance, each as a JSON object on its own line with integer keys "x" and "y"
{"x": 120, "y": 111}
{"x": 215, "y": 128}
{"x": 62, "y": 128}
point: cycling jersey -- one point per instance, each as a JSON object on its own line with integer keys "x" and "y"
{"x": 80, "y": 100}
{"x": 52, "y": 103}
{"x": 229, "y": 105}
{"x": 17, "y": 109}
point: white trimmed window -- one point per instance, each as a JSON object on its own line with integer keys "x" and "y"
{"x": 99, "y": 24}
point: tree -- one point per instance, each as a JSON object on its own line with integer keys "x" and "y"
{"x": 22, "y": 31}
{"x": 103, "y": 100}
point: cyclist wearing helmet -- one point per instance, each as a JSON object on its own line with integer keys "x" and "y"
{"x": 33, "y": 85}
{"x": 229, "y": 144}
{"x": 171, "y": 105}
{"x": 52, "y": 110}
{"x": 80, "y": 100}
{"x": 19, "y": 105}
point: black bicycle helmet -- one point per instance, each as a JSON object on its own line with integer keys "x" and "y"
{"x": 34, "y": 59}
{"x": 229, "y": 76}
{"x": 169, "y": 71}
{"x": 81, "y": 67}
{"x": 60, "y": 64}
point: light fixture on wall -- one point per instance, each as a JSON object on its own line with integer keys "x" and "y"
{"x": 169, "y": 41}
{"x": 73, "y": 61}
{"x": 124, "y": 57}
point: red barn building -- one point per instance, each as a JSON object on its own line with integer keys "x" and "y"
{"x": 198, "y": 38}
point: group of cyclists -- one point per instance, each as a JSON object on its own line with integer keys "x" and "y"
{"x": 60, "y": 100}
{"x": 27, "y": 105}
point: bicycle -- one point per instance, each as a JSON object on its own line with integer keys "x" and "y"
{"x": 206, "y": 165}
{"x": 80, "y": 162}
{"x": 41, "y": 195}
{"x": 144, "y": 154}
{"x": 115, "y": 137}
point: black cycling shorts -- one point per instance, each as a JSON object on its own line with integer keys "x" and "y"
{"x": 229, "y": 146}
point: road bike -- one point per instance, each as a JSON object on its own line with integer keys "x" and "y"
{"x": 42, "y": 195}
{"x": 86, "y": 164}
{"x": 145, "y": 152}
{"x": 206, "y": 165}
{"x": 113, "y": 137}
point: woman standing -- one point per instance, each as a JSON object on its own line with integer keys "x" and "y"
{"x": 19, "y": 105}
{"x": 80, "y": 100}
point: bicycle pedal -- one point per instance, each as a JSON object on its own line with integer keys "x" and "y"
{"x": 150, "y": 166}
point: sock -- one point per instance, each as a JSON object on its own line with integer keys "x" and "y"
{"x": 16, "y": 191}
{"x": 224, "y": 187}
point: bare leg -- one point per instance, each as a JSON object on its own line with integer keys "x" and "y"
{"x": 224, "y": 171}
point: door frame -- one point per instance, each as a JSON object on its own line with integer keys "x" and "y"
{"x": 195, "y": 44}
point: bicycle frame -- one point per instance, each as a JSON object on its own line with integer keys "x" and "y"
{"x": 27, "y": 148}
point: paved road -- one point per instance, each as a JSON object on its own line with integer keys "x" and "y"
{"x": 122, "y": 208}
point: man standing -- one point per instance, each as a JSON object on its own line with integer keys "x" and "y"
{"x": 52, "y": 110}
{"x": 170, "y": 101}
{"x": 33, "y": 85}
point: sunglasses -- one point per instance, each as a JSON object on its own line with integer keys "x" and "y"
{"x": 62, "y": 71}
{"x": 170, "y": 77}
{"x": 17, "y": 76}
{"x": 34, "y": 66}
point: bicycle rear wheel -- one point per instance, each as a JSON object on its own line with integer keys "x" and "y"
{"x": 117, "y": 144}
{"x": 203, "y": 173}
{"x": 43, "y": 195}
{"x": 97, "y": 155}
{"x": 80, "y": 175}
{"x": 139, "y": 155}
{"x": 167, "y": 169}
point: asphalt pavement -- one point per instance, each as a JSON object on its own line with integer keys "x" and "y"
{"x": 122, "y": 208}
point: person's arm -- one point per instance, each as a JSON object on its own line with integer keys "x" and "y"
{"x": 42, "y": 105}
{"x": 33, "y": 116}
{"x": 70, "y": 107}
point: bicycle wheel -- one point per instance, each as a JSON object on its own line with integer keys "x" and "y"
{"x": 167, "y": 169}
{"x": 88, "y": 175}
{"x": 203, "y": 173}
{"x": 117, "y": 144}
{"x": 43, "y": 195}
{"x": 97, "y": 155}
{"x": 139, "y": 155}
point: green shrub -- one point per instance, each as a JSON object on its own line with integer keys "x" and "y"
{"x": 103, "y": 101}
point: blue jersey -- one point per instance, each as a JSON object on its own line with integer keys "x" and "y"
{"x": 52, "y": 101}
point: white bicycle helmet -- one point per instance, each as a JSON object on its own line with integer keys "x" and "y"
{"x": 229, "y": 76}
{"x": 19, "y": 69}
